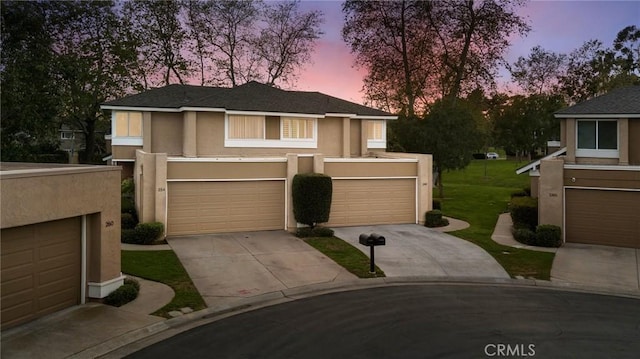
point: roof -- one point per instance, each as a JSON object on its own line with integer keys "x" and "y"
{"x": 619, "y": 102}
{"x": 532, "y": 166}
{"x": 252, "y": 96}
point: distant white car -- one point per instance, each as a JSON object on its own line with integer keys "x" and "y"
{"x": 492, "y": 156}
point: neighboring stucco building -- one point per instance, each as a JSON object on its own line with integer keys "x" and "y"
{"x": 591, "y": 186}
{"x": 60, "y": 237}
{"x": 211, "y": 159}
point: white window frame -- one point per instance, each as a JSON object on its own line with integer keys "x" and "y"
{"x": 125, "y": 140}
{"x": 377, "y": 143}
{"x": 598, "y": 153}
{"x": 314, "y": 129}
{"x": 271, "y": 143}
{"x": 67, "y": 135}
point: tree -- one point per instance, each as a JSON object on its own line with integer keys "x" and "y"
{"x": 538, "y": 73}
{"x": 417, "y": 51}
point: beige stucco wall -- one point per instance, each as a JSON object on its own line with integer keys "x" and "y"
{"x": 628, "y": 143}
{"x": 634, "y": 142}
{"x": 166, "y": 133}
{"x": 150, "y": 177}
{"x": 600, "y": 178}
{"x": 550, "y": 199}
{"x": 34, "y": 196}
{"x": 371, "y": 168}
{"x": 355, "y": 133}
{"x": 124, "y": 152}
{"x": 226, "y": 170}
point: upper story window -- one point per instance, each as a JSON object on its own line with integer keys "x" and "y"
{"x": 297, "y": 128}
{"x": 597, "y": 138}
{"x": 246, "y": 127}
{"x": 126, "y": 128}
{"x": 66, "y": 135}
{"x": 377, "y": 134}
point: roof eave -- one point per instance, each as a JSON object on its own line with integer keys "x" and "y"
{"x": 597, "y": 115}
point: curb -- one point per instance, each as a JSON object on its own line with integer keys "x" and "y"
{"x": 292, "y": 294}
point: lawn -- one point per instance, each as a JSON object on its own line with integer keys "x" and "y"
{"x": 164, "y": 267}
{"x": 345, "y": 255}
{"x": 478, "y": 194}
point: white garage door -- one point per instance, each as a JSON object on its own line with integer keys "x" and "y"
{"x": 40, "y": 269}
{"x": 373, "y": 201}
{"x": 215, "y": 207}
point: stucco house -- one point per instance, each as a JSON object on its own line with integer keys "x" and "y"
{"x": 215, "y": 159}
{"x": 59, "y": 237}
{"x": 591, "y": 186}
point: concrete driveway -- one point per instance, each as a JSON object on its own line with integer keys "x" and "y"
{"x": 226, "y": 267}
{"x": 413, "y": 250}
{"x": 606, "y": 267}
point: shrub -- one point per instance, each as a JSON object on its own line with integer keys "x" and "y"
{"x": 524, "y": 212}
{"x": 527, "y": 190}
{"x": 548, "y": 235}
{"x": 524, "y": 235}
{"x": 148, "y": 233}
{"x": 520, "y": 193}
{"x": 437, "y": 204}
{"x": 124, "y": 294}
{"x": 311, "y": 198}
{"x": 308, "y": 232}
{"x": 127, "y": 205}
{"x": 129, "y": 236}
{"x": 127, "y": 188}
{"x": 479, "y": 156}
{"x": 127, "y": 221}
{"x": 434, "y": 219}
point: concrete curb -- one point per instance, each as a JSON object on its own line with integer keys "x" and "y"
{"x": 292, "y": 294}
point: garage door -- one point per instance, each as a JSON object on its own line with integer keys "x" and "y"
{"x": 214, "y": 207}
{"x": 603, "y": 217}
{"x": 40, "y": 269}
{"x": 373, "y": 201}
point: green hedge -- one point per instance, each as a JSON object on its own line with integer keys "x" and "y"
{"x": 436, "y": 204}
{"x": 128, "y": 221}
{"x": 311, "y": 194}
{"x": 434, "y": 219}
{"x": 143, "y": 233}
{"x": 548, "y": 235}
{"x": 308, "y": 232}
{"x": 124, "y": 294}
{"x": 524, "y": 212}
{"x": 524, "y": 235}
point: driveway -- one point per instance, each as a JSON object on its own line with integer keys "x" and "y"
{"x": 413, "y": 250}
{"x": 607, "y": 267}
{"x": 226, "y": 267}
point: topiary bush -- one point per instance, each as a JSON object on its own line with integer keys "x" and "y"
{"x": 127, "y": 221}
{"x": 311, "y": 194}
{"x": 129, "y": 236}
{"x": 308, "y": 232}
{"x": 524, "y": 212}
{"x": 124, "y": 294}
{"x": 434, "y": 219}
{"x": 524, "y": 235}
{"x": 148, "y": 233}
{"x": 548, "y": 235}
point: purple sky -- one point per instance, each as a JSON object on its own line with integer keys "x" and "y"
{"x": 559, "y": 26}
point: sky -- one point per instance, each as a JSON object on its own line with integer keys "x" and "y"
{"x": 559, "y": 26}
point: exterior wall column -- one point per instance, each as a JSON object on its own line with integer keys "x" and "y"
{"x": 146, "y": 186}
{"x": 346, "y": 137}
{"x": 550, "y": 199}
{"x": 318, "y": 163}
{"x": 146, "y": 132}
{"x": 292, "y": 170}
{"x": 571, "y": 140}
{"x": 424, "y": 186}
{"x": 189, "y": 145}
{"x": 160, "y": 189}
{"x": 623, "y": 141}
{"x": 364, "y": 136}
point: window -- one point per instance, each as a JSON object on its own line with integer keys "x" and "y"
{"x": 246, "y": 127}
{"x": 66, "y": 135}
{"x": 377, "y": 134}
{"x": 297, "y": 128}
{"x": 128, "y": 124}
{"x": 597, "y": 138}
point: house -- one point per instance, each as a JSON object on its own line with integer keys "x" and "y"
{"x": 214, "y": 159}
{"x": 591, "y": 186}
{"x": 59, "y": 237}
{"x": 72, "y": 142}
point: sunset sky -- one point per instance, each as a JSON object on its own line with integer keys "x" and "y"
{"x": 559, "y": 26}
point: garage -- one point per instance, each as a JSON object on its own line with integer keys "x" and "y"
{"x": 605, "y": 217}
{"x": 40, "y": 269}
{"x": 373, "y": 201}
{"x": 226, "y": 206}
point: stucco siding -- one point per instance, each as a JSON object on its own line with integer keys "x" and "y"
{"x": 124, "y": 152}
{"x": 605, "y": 179}
{"x": 371, "y": 169}
{"x": 355, "y": 138}
{"x": 166, "y": 133}
{"x": 634, "y": 142}
{"x": 226, "y": 170}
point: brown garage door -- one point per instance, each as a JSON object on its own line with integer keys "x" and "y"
{"x": 40, "y": 269}
{"x": 603, "y": 217}
{"x": 373, "y": 201}
{"x": 214, "y": 207}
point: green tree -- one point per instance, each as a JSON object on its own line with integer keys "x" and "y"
{"x": 538, "y": 73}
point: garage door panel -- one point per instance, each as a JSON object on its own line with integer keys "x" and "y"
{"x": 214, "y": 207}
{"x": 603, "y": 217}
{"x": 373, "y": 201}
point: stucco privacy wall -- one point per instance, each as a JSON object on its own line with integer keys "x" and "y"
{"x": 34, "y": 195}
{"x": 550, "y": 190}
{"x": 154, "y": 171}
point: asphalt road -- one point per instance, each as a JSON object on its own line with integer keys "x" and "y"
{"x": 422, "y": 321}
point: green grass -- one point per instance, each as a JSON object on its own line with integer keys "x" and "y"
{"x": 164, "y": 267}
{"x": 345, "y": 255}
{"x": 478, "y": 199}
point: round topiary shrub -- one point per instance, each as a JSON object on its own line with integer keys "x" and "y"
{"x": 311, "y": 194}
{"x": 524, "y": 236}
{"x": 308, "y": 232}
{"x": 127, "y": 221}
{"x": 124, "y": 294}
{"x": 524, "y": 212}
{"x": 148, "y": 233}
{"x": 434, "y": 219}
{"x": 548, "y": 235}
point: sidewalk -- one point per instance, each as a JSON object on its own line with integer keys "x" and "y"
{"x": 502, "y": 235}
